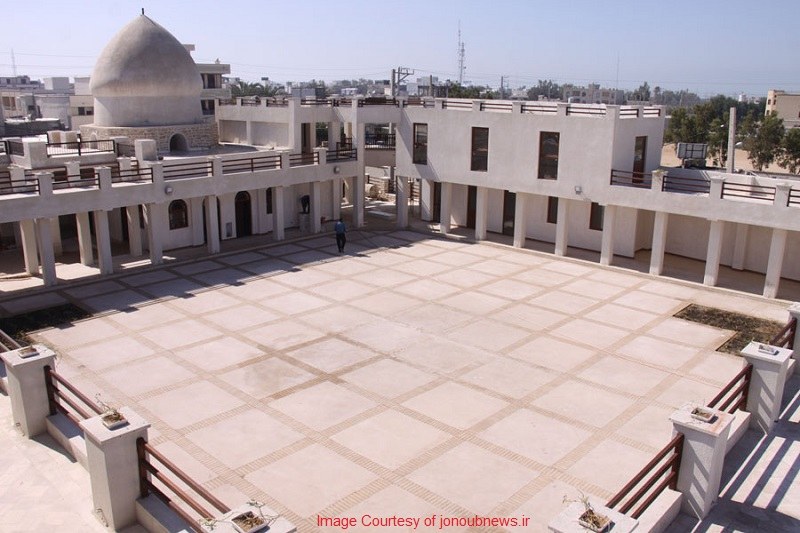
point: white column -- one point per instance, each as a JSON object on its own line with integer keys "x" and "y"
{"x": 27, "y": 390}
{"x": 715, "y": 234}
{"x": 777, "y": 248}
{"x": 55, "y": 232}
{"x": 770, "y": 368}
{"x": 521, "y": 203}
{"x": 84, "y": 238}
{"x": 212, "y": 224}
{"x": 134, "y": 230}
{"x": 426, "y": 200}
{"x": 444, "y": 211}
{"x": 703, "y": 455}
{"x": 740, "y": 247}
{"x": 103, "y": 235}
{"x": 659, "y": 243}
{"x": 481, "y": 212}
{"x": 402, "y": 201}
{"x": 196, "y": 221}
{"x": 27, "y": 229}
{"x": 157, "y": 226}
{"x": 607, "y": 244}
{"x": 336, "y": 184}
{"x": 730, "y": 166}
{"x": 562, "y": 227}
{"x": 44, "y": 241}
{"x": 278, "y": 222}
{"x": 358, "y": 201}
{"x": 315, "y": 208}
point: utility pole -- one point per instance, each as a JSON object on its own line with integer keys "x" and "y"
{"x": 461, "y": 55}
{"x": 399, "y": 75}
{"x": 502, "y": 91}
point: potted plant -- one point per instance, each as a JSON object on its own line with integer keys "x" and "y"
{"x": 703, "y": 414}
{"x": 589, "y": 518}
{"x": 250, "y": 522}
{"x": 111, "y": 417}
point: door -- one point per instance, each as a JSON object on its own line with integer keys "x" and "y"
{"x": 244, "y": 216}
{"x": 639, "y": 154}
{"x": 509, "y": 212}
{"x": 437, "y": 202}
{"x": 472, "y": 202}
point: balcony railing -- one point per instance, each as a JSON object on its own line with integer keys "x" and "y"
{"x": 9, "y": 185}
{"x": 134, "y": 175}
{"x": 199, "y": 169}
{"x": 251, "y": 164}
{"x": 465, "y": 105}
{"x": 535, "y": 108}
{"x": 763, "y": 193}
{"x": 785, "y": 337}
{"x": 303, "y": 159}
{"x": 794, "y": 197}
{"x": 640, "y": 180}
{"x": 64, "y": 398}
{"x": 87, "y": 178}
{"x": 342, "y": 154}
{"x": 687, "y": 185}
{"x": 15, "y": 147}
{"x": 126, "y": 149}
{"x": 378, "y": 101}
{"x": 585, "y": 110}
{"x": 503, "y": 107}
{"x": 379, "y": 140}
{"x": 733, "y": 396}
{"x": 80, "y": 147}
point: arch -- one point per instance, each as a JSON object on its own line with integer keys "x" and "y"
{"x": 178, "y": 214}
{"x": 244, "y": 215}
{"x": 177, "y": 143}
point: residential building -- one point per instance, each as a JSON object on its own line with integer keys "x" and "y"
{"x": 785, "y": 105}
{"x": 593, "y": 94}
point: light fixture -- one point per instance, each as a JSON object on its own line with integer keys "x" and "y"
{"x": 336, "y": 170}
{"x": 168, "y": 189}
{"x": 578, "y": 189}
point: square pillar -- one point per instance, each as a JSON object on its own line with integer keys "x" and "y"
{"x": 659, "y": 243}
{"x": 55, "y": 232}
{"x": 777, "y": 248}
{"x": 714, "y": 252}
{"x": 114, "y": 467}
{"x": 521, "y": 201}
{"x": 101, "y": 230}
{"x": 402, "y": 190}
{"x": 156, "y": 221}
{"x": 607, "y": 243}
{"x": 426, "y": 200}
{"x": 316, "y": 208}
{"x": 567, "y": 520}
{"x": 702, "y": 458}
{"x": 27, "y": 390}
{"x": 278, "y": 222}
{"x": 770, "y": 367}
{"x": 44, "y": 241}
{"x": 84, "y": 239}
{"x": 481, "y": 212}
{"x": 27, "y": 229}
{"x": 562, "y": 227}
{"x": 134, "y": 230}
{"x": 445, "y": 210}
{"x": 196, "y": 221}
{"x": 740, "y": 247}
{"x": 358, "y": 201}
{"x": 212, "y": 224}
{"x": 336, "y": 185}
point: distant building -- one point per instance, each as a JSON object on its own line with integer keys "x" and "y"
{"x": 593, "y": 94}
{"x": 214, "y": 86}
{"x": 785, "y": 105}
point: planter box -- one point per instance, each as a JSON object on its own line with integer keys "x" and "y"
{"x": 249, "y": 523}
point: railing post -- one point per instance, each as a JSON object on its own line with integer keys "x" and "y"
{"x": 770, "y": 367}
{"x": 30, "y": 404}
{"x": 782, "y": 190}
{"x": 794, "y": 312}
{"x": 657, "y": 183}
{"x": 716, "y": 188}
{"x": 114, "y": 467}
{"x": 702, "y": 457}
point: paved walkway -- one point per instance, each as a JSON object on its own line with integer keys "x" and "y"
{"x": 410, "y": 376}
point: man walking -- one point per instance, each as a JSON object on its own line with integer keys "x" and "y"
{"x": 341, "y": 237}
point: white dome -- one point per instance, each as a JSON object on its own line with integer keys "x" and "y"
{"x": 145, "y": 76}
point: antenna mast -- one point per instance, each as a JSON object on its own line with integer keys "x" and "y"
{"x": 461, "y": 66}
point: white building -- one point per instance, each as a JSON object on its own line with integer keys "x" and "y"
{"x": 593, "y": 94}
{"x": 785, "y": 105}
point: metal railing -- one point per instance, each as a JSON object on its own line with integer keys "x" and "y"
{"x": 457, "y": 104}
{"x": 794, "y": 197}
{"x": 685, "y": 184}
{"x": 302, "y": 159}
{"x": 134, "y": 175}
{"x": 199, "y": 169}
{"x": 763, "y": 193}
{"x": 251, "y": 101}
{"x": 628, "y": 112}
{"x": 148, "y": 471}
{"x": 64, "y": 398}
{"x": 669, "y": 459}
{"x": 226, "y": 101}
{"x": 7, "y": 342}
{"x": 378, "y": 100}
{"x": 15, "y": 147}
{"x": 3, "y": 148}
{"x": 87, "y": 178}
{"x": 274, "y": 102}
{"x": 416, "y": 101}
{"x": 379, "y": 140}
{"x": 81, "y": 147}
{"x": 785, "y": 337}
{"x": 9, "y": 185}
{"x": 251, "y": 164}
{"x": 733, "y": 396}
{"x": 585, "y": 110}
{"x": 342, "y": 154}
{"x": 315, "y": 102}
{"x": 651, "y": 112}
{"x": 539, "y": 108}
{"x": 639, "y": 180}
{"x": 505, "y": 107}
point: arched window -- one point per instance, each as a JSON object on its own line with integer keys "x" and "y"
{"x": 178, "y": 215}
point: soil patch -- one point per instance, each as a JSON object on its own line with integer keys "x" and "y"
{"x": 747, "y": 328}
{"x": 19, "y": 326}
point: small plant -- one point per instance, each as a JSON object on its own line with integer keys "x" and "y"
{"x": 702, "y": 413}
{"x": 208, "y": 523}
{"x": 111, "y": 416}
{"x": 249, "y": 521}
{"x": 589, "y": 518}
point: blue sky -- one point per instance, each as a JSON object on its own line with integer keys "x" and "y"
{"x": 707, "y": 46}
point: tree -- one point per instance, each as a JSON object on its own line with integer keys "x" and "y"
{"x": 546, "y": 88}
{"x": 765, "y": 146}
{"x": 790, "y": 151}
{"x": 718, "y": 142}
{"x": 244, "y": 88}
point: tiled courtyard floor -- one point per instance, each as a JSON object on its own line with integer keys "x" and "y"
{"x": 410, "y": 376}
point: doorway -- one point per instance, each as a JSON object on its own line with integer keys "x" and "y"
{"x": 472, "y": 203}
{"x": 437, "y": 202}
{"x": 244, "y": 216}
{"x": 639, "y": 155}
{"x": 509, "y": 212}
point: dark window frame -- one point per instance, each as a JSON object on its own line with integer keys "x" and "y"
{"x": 479, "y": 160}
{"x": 269, "y": 200}
{"x": 178, "y": 214}
{"x": 552, "y": 209}
{"x": 420, "y": 149}
{"x": 548, "y": 158}
{"x": 596, "y": 215}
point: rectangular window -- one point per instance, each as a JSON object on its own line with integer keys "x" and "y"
{"x": 548, "y": 155}
{"x": 269, "y": 200}
{"x": 480, "y": 149}
{"x": 596, "y": 217}
{"x": 552, "y": 209}
{"x": 420, "y": 144}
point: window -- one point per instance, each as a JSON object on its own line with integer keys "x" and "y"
{"x": 480, "y": 149}
{"x": 596, "y": 217}
{"x": 552, "y": 209}
{"x": 178, "y": 215}
{"x": 269, "y": 200}
{"x": 420, "y": 144}
{"x": 548, "y": 155}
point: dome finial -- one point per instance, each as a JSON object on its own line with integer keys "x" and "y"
{"x": 142, "y": 11}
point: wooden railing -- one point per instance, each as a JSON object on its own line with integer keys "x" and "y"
{"x": 87, "y": 178}
{"x": 785, "y": 337}
{"x": 764, "y": 193}
{"x": 666, "y": 475}
{"x": 199, "y": 169}
{"x": 377, "y": 101}
{"x": 9, "y": 185}
{"x": 687, "y": 184}
{"x": 342, "y": 154}
{"x": 535, "y": 108}
{"x": 457, "y": 104}
{"x": 251, "y": 164}
{"x": 302, "y": 159}
{"x": 794, "y": 197}
{"x": 7, "y": 342}
{"x": 149, "y": 470}
{"x": 505, "y": 107}
{"x": 733, "y": 396}
{"x": 81, "y": 147}
{"x": 134, "y": 175}
{"x": 640, "y": 180}
{"x": 64, "y": 398}
{"x": 586, "y": 110}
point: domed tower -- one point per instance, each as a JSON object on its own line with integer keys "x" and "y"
{"x": 145, "y": 77}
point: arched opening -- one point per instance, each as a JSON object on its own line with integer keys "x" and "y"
{"x": 177, "y": 143}
{"x": 244, "y": 217}
{"x": 178, "y": 214}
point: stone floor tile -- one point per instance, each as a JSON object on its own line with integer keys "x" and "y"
{"x": 265, "y": 378}
{"x": 649, "y": 302}
{"x": 441, "y": 355}
{"x": 564, "y": 302}
{"x": 583, "y": 403}
{"x": 388, "y": 378}
{"x": 331, "y": 354}
{"x": 241, "y": 317}
{"x": 552, "y": 353}
{"x": 529, "y": 317}
{"x": 220, "y": 353}
{"x": 283, "y": 334}
{"x": 475, "y": 302}
{"x": 147, "y": 316}
{"x": 385, "y": 336}
{"x": 487, "y": 334}
{"x": 651, "y": 426}
{"x": 511, "y": 289}
{"x": 180, "y": 334}
{"x": 593, "y": 289}
{"x": 659, "y": 352}
{"x": 323, "y": 405}
{"x": 509, "y": 377}
{"x": 109, "y": 353}
{"x": 610, "y": 465}
{"x": 691, "y": 333}
{"x": 590, "y": 333}
{"x": 191, "y": 404}
{"x": 624, "y": 376}
{"x": 621, "y": 317}
{"x": 455, "y": 405}
{"x": 138, "y": 377}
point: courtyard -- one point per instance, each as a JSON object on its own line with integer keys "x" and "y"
{"x": 410, "y": 376}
